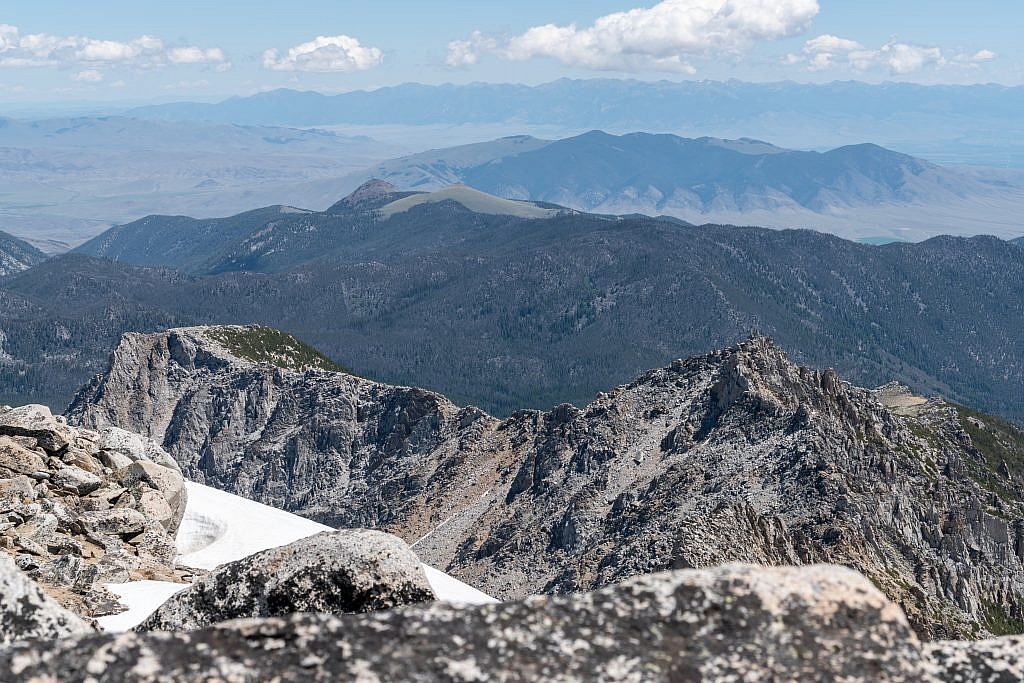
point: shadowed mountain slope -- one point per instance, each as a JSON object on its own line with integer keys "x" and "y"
{"x": 510, "y": 313}
{"x": 17, "y": 255}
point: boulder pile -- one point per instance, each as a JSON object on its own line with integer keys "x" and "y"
{"x": 80, "y": 508}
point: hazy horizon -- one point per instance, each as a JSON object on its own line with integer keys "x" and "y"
{"x": 64, "y": 52}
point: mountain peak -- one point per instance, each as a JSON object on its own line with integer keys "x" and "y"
{"x": 371, "y": 190}
{"x": 234, "y": 345}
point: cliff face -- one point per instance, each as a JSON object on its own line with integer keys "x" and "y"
{"x": 343, "y": 450}
{"x": 739, "y": 455}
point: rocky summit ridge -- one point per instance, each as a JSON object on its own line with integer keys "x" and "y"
{"x": 80, "y": 509}
{"x": 739, "y": 455}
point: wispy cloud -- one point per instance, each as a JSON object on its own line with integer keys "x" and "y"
{"x": 88, "y": 76}
{"x": 187, "y": 85}
{"x": 664, "y": 37}
{"x": 196, "y": 55}
{"x": 898, "y": 58}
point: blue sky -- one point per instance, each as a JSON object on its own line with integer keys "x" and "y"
{"x": 115, "y": 50}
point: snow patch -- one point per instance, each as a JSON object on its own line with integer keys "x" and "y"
{"x": 142, "y": 598}
{"x": 220, "y": 527}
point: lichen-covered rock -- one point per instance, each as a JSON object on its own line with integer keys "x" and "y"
{"x": 77, "y": 479}
{"x": 132, "y": 447}
{"x": 332, "y": 572}
{"x": 735, "y": 623}
{"x": 160, "y": 491}
{"x": 999, "y": 660}
{"x": 27, "y": 612}
{"x": 116, "y": 521}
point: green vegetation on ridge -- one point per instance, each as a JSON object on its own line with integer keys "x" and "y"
{"x": 266, "y": 345}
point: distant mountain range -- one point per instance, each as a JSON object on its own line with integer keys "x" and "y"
{"x": 17, "y": 255}
{"x": 860, "y": 191}
{"x": 67, "y": 179}
{"x": 508, "y": 312}
{"x": 975, "y": 124}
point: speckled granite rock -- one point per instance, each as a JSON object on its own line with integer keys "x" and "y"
{"x": 999, "y": 660}
{"x": 332, "y": 572}
{"x": 734, "y": 623}
{"x": 27, "y": 612}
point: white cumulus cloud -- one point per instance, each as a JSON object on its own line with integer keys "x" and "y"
{"x": 901, "y": 58}
{"x": 467, "y": 52}
{"x": 829, "y": 43}
{"x": 110, "y": 50}
{"x": 325, "y": 54}
{"x": 662, "y": 37}
{"x": 43, "y": 49}
{"x": 8, "y": 37}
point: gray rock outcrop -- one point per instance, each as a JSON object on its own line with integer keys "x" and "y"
{"x": 332, "y": 572}
{"x": 26, "y": 612}
{"x": 725, "y": 624}
{"x": 78, "y": 511}
{"x": 739, "y": 455}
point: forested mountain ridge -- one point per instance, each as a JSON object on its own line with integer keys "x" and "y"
{"x": 376, "y": 220}
{"x": 507, "y": 312}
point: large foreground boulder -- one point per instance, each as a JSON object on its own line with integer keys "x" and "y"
{"x": 350, "y": 570}
{"x": 27, "y": 612}
{"x": 735, "y": 623}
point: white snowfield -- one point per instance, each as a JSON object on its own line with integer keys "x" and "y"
{"x": 220, "y": 527}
